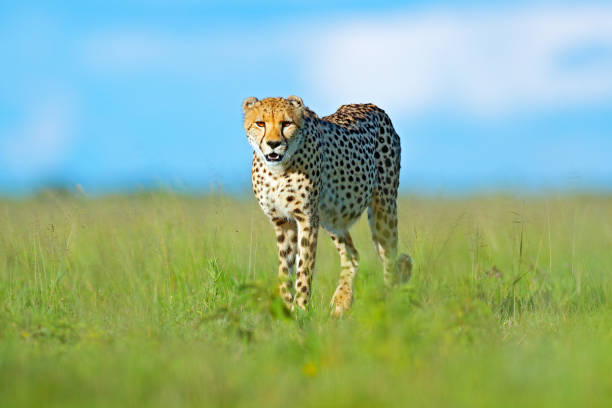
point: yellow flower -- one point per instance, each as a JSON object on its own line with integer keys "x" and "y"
{"x": 309, "y": 369}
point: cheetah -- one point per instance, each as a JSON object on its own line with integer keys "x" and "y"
{"x": 309, "y": 172}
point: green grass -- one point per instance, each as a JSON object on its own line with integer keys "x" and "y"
{"x": 160, "y": 300}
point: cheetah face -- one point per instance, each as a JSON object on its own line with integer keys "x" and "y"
{"x": 273, "y": 127}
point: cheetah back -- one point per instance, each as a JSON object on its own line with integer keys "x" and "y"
{"x": 353, "y": 164}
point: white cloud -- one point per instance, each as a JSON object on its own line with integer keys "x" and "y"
{"x": 123, "y": 50}
{"x": 41, "y": 140}
{"x": 485, "y": 63}
{"x": 492, "y": 62}
{"x": 135, "y": 49}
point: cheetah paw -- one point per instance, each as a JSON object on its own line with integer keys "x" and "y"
{"x": 341, "y": 302}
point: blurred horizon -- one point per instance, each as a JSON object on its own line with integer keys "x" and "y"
{"x": 124, "y": 96}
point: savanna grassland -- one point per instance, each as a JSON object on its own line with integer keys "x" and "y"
{"x": 163, "y": 300}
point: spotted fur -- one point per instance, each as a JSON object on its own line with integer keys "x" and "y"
{"x": 309, "y": 172}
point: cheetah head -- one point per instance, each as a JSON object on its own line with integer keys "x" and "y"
{"x": 273, "y": 127}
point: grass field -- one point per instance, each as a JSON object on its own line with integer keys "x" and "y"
{"x": 161, "y": 300}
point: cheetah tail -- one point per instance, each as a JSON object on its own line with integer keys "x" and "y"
{"x": 404, "y": 267}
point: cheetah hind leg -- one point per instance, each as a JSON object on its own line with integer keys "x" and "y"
{"x": 349, "y": 260}
{"x": 383, "y": 225}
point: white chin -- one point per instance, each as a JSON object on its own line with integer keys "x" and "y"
{"x": 274, "y": 163}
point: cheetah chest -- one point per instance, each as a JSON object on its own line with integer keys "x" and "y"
{"x": 281, "y": 196}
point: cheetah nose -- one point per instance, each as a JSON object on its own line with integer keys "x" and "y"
{"x": 273, "y": 143}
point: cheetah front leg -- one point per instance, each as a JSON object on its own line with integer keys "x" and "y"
{"x": 349, "y": 261}
{"x": 286, "y": 242}
{"x": 308, "y": 230}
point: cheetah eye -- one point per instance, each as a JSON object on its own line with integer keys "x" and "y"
{"x": 285, "y": 124}
{"x": 260, "y": 124}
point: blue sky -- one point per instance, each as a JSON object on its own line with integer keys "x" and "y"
{"x": 120, "y": 95}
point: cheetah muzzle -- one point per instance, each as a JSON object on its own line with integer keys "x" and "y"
{"x": 274, "y": 157}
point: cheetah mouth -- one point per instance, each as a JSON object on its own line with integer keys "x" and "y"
{"x": 274, "y": 157}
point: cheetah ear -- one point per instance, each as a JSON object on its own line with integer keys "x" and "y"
{"x": 248, "y": 103}
{"x": 296, "y": 101}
